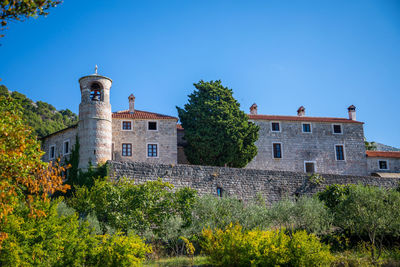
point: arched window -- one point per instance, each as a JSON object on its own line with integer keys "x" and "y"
{"x": 95, "y": 92}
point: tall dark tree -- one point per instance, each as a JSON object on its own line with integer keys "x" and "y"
{"x": 217, "y": 132}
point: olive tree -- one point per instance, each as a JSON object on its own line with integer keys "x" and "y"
{"x": 370, "y": 211}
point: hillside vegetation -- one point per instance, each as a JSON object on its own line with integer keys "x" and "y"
{"x": 41, "y": 116}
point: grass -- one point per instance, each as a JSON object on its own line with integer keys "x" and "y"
{"x": 177, "y": 262}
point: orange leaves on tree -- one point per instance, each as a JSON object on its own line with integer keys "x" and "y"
{"x": 24, "y": 178}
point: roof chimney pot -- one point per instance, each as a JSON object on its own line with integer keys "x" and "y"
{"x": 352, "y": 113}
{"x": 301, "y": 111}
{"x": 131, "y": 103}
{"x": 253, "y": 109}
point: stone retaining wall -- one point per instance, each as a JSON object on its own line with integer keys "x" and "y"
{"x": 242, "y": 183}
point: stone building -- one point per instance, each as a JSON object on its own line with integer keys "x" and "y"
{"x": 309, "y": 144}
{"x": 286, "y": 143}
{"x": 130, "y": 135}
{"x": 383, "y": 163}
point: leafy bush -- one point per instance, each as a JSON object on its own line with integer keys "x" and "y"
{"x": 235, "y": 247}
{"x": 63, "y": 240}
{"x": 307, "y": 213}
{"x": 334, "y": 194}
{"x": 45, "y": 241}
{"x": 307, "y": 250}
{"x": 370, "y": 212}
{"x": 125, "y": 206}
{"x": 213, "y": 212}
{"x": 119, "y": 250}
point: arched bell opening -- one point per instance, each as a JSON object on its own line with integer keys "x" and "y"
{"x": 96, "y": 92}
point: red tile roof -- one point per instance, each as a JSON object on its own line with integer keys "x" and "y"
{"x": 141, "y": 115}
{"x": 301, "y": 118}
{"x": 179, "y": 127}
{"x": 383, "y": 154}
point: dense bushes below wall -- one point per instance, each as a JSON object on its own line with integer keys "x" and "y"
{"x": 244, "y": 184}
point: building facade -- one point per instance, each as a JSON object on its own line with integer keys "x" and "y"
{"x": 310, "y": 144}
{"x": 286, "y": 143}
{"x": 383, "y": 163}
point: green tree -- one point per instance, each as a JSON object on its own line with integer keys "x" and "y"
{"x": 370, "y": 212}
{"x": 24, "y": 178}
{"x": 41, "y": 116}
{"x": 370, "y": 145}
{"x": 125, "y": 206}
{"x": 14, "y": 10}
{"x": 217, "y": 132}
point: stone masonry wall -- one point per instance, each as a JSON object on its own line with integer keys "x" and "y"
{"x": 242, "y": 183}
{"x": 317, "y": 146}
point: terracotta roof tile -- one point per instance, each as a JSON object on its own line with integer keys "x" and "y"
{"x": 179, "y": 127}
{"x": 383, "y": 154}
{"x": 302, "y": 118}
{"x": 141, "y": 115}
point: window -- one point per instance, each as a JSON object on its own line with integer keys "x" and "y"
{"x": 152, "y": 126}
{"x": 52, "y": 152}
{"x": 339, "y": 152}
{"x": 152, "y": 151}
{"x": 95, "y": 92}
{"x": 219, "y": 191}
{"x": 309, "y": 167}
{"x": 277, "y": 150}
{"x": 126, "y": 125}
{"x": 383, "y": 164}
{"x": 337, "y": 128}
{"x": 306, "y": 128}
{"x": 275, "y": 127}
{"x": 66, "y": 148}
{"x": 127, "y": 150}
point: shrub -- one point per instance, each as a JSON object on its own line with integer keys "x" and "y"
{"x": 234, "y": 247}
{"x": 119, "y": 250}
{"x": 127, "y": 206}
{"x": 307, "y": 250}
{"x": 212, "y": 212}
{"x": 370, "y": 212}
{"x": 334, "y": 194}
{"x": 306, "y": 214}
{"x": 46, "y": 241}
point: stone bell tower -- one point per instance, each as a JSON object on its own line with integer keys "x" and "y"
{"x": 95, "y": 126}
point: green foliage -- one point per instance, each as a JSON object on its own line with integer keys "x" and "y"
{"x": 334, "y": 194}
{"x": 306, "y": 213}
{"x": 370, "y": 212}
{"x": 316, "y": 179}
{"x": 12, "y": 10}
{"x": 370, "y": 145}
{"x": 234, "y": 247}
{"x": 218, "y": 133}
{"x": 307, "y": 250}
{"x": 119, "y": 250}
{"x": 46, "y": 241}
{"x": 60, "y": 239}
{"x": 42, "y": 117}
{"x": 213, "y": 212}
{"x": 126, "y": 206}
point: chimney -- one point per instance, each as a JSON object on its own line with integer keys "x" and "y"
{"x": 301, "y": 111}
{"x": 253, "y": 109}
{"x": 131, "y": 103}
{"x": 352, "y": 112}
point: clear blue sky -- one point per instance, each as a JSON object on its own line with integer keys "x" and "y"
{"x": 324, "y": 55}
